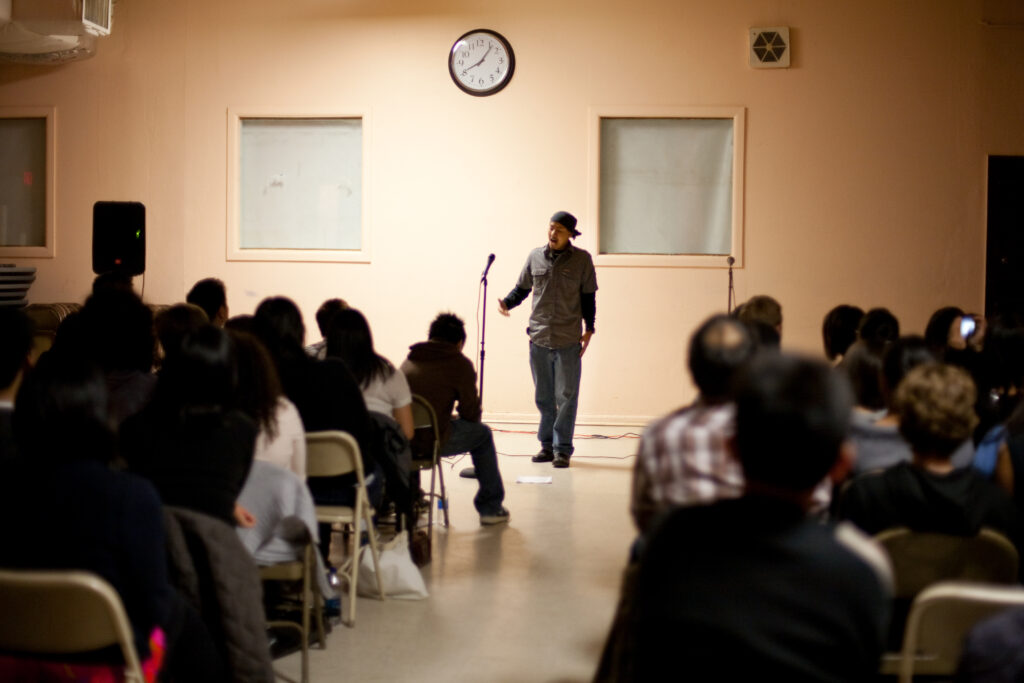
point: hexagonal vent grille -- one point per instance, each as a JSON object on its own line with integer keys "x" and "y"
{"x": 770, "y": 47}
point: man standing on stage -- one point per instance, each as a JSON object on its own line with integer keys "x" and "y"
{"x": 564, "y": 285}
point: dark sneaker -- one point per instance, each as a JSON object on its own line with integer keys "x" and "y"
{"x": 561, "y": 460}
{"x": 500, "y": 517}
{"x": 544, "y": 456}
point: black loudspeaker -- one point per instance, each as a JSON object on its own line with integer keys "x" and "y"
{"x": 119, "y": 238}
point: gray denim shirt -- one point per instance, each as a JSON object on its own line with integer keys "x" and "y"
{"x": 557, "y": 280}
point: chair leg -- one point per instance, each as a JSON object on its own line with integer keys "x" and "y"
{"x": 318, "y": 598}
{"x": 371, "y": 534}
{"x": 430, "y": 504}
{"x": 444, "y": 493}
{"x": 353, "y": 578}
{"x": 305, "y": 605}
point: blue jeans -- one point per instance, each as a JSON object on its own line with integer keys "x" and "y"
{"x": 476, "y": 439}
{"x": 556, "y": 380}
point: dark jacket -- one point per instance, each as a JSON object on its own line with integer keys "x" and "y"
{"x": 217, "y": 575}
{"x": 440, "y": 373}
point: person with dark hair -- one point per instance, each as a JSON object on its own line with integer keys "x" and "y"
{"x": 806, "y": 600}
{"x": 15, "y": 354}
{"x": 173, "y": 324}
{"x": 112, "y": 279}
{"x": 862, "y": 366}
{"x": 63, "y": 507}
{"x": 762, "y": 310}
{"x": 385, "y": 389}
{"x": 1000, "y": 380}
{"x": 682, "y": 458}
{"x": 387, "y": 398}
{"x": 191, "y": 441}
{"x": 874, "y": 430}
{"x": 282, "y": 438}
{"x": 324, "y": 315}
{"x": 839, "y": 330}
{"x": 210, "y": 295}
{"x": 115, "y": 330}
{"x": 943, "y": 330}
{"x": 878, "y": 328}
{"x": 438, "y": 371}
{"x": 564, "y": 285}
{"x": 327, "y": 398}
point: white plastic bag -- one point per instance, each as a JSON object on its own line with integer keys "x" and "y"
{"x": 402, "y": 578}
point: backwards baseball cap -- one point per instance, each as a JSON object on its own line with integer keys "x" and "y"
{"x": 568, "y": 220}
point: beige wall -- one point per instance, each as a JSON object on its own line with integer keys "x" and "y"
{"x": 865, "y": 162}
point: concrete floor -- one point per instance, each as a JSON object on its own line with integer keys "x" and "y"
{"x": 530, "y": 601}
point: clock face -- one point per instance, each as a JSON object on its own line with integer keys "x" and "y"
{"x": 481, "y": 62}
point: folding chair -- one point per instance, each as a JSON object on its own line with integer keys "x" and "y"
{"x": 64, "y": 613}
{"x": 922, "y": 559}
{"x": 424, "y": 417}
{"x": 939, "y": 621}
{"x": 302, "y": 572}
{"x": 330, "y": 454}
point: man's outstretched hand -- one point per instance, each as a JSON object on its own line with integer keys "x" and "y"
{"x": 502, "y": 308}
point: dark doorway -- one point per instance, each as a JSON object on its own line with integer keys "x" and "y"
{"x": 1004, "y": 274}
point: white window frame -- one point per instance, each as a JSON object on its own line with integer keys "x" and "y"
{"x": 234, "y": 251}
{"x": 49, "y": 248}
{"x": 738, "y": 117}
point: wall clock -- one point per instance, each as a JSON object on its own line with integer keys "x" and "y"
{"x": 481, "y": 62}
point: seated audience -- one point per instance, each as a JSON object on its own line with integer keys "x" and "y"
{"x": 935, "y": 404}
{"x": 115, "y": 329}
{"x": 15, "y": 353}
{"x": 190, "y": 441}
{"x": 173, "y": 324}
{"x": 285, "y": 516}
{"x": 327, "y": 397}
{"x": 324, "y": 314}
{"x": 282, "y": 438}
{"x": 385, "y": 389}
{"x": 878, "y": 328}
{"x": 210, "y": 295}
{"x": 683, "y": 458}
{"x": 752, "y": 588}
{"x": 763, "y": 315}
{"x": 839, "y": 330}
{"x": 1000, "y": 382}
{"x": 63, "y": 507}
{"x": 875, "y": 433}
{"x": 387, "y": 398}
{"x": 438, "y": 371}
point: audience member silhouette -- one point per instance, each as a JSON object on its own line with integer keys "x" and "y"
{"x": 190, "y": 441}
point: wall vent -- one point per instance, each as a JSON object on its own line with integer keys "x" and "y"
{"x": 770, "y": 47}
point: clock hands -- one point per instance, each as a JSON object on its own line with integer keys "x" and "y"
{"x": 481, "y": 59}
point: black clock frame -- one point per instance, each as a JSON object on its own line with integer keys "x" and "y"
{"x": 511, "y": 63}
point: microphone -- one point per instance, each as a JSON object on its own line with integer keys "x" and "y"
{"x": 490, "y": 260}
{"x": 730, "y": 260}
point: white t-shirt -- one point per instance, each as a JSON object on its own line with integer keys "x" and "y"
{"x": 385, "y": 395}
{"x": 288, "y": 448}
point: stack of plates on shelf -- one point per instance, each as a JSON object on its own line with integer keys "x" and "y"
{"x": 14, "y": 284}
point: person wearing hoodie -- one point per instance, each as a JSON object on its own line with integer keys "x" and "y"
{"x": 438, "y": 371}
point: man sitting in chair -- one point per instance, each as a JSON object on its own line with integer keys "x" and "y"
{"x": 438, "y": 371}
{"x": 752, "y": 588}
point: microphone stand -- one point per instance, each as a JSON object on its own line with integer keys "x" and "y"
{"x": 470, "y": 472}
{"x": 483, "y": 336}
{"x": 732, "y": 290}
